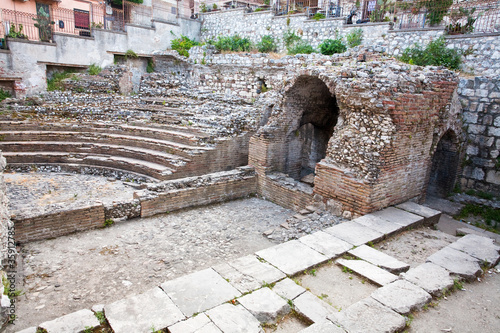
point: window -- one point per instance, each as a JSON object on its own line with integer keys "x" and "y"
{"x": 82, "y": 19}
{"x": 174, "y": 10}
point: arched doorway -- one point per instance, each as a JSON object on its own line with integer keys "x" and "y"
{"x": 444, "y": 167}
{"x": 315, "y": 113}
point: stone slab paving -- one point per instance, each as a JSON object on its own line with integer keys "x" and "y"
{"x": 265, "y": 305}
{"x": 28, "y": 330}
{"x": 288, "y": 289}
{"x": 430, "y": 277}
{"x": 323, "y": 327}
{"x": 312, "y": 308}
{"x": 141, "y": 312}
{"x": 198, "y": 324}
{"x": 431, "y": 216}
{"x": 74, "y": 322}
{"x": 402, "y": 296}
{"x": 234, "y": 319}
{"x": 326, "y": 244}
{"x": 379, "y": 259}
{"x": 456, "y": 262}
{"x": 399, "y": 216}
{"x": 482, "y": 248}
{"x": 292, "y": 257}
{"x": 369, "y": 315}
{"x": 199, "y": 291}
{"x": 376, "y": 223}
{"x": 354, "y": 233}
{"x": 370, "y": 272}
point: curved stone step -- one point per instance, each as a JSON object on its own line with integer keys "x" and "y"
{"x": 149, "y": 155}
{"x": 121, "y": 163}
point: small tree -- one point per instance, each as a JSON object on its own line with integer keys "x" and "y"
{"x": 44, "y": 25}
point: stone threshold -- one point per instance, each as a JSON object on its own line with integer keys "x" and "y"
{"x": 248, "y": 292}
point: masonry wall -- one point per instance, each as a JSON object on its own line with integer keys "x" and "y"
{"x": 5, "y": 222}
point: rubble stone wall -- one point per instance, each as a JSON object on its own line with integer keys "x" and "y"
{"x": 5, "y": 222}
{"x": 480, "y": 98}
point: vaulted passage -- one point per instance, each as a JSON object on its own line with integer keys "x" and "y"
{"x": 316, "y": 112}
{"x": 444, "y": 166}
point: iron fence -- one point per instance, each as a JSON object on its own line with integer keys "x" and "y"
{"x": 17, "y": 24}
{"x": 458, "y": 18}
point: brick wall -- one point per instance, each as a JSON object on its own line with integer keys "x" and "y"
{"x": 59, "y": 223}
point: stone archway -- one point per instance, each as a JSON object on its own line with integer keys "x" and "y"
{"x": 444, "y": 166}
{"x": 315, "y": 112}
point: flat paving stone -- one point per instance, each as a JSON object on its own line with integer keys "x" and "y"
{"x": 402, "y": 296}
{"x": 234, "y": 319}
{"x": 376, "y": 223}
{"x": 371, "y": 272}
{"x": 379, "y": 259}
{"x": 292, "y": 257}
{"x": 28, "y": 330}
{"x": 199, "y": 291}
{"x": 265, "y": 305}
{"x": 74, "y": 322}
{"x": 248, "y": 273}
{"x": 456, "y": 262}
{"x": 369, "y": 315}
{"x": 198, "y": 324}
{"x": 312, "y": 308}
{"x": 479, "y": 247}
{"x": 430, "y": 277}
{"x": 326, "y": 244}
{"x": 323, "y": 327}
{"x": 431, "y": 216}
{"x": 399, "y": 216}
{"x": 141, "y": 312}
{"x": 288, "y": 289}
{"x": 354, "y": 233}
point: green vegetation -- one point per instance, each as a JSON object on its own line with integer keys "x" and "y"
{"x": 233, "y": 43}
{"x": 183, "y": 45}
{"x": 258, "y": 10}
{"x": 55, "y": 83}
{"x": 4, "y": 94}
{"x": 301, "y": 47}
{"x": 290, "y": 38}
{"x": 331, "y": 46}
{"x": 108, "y": 223}
{"x": 16, "y": 34}
{"x": 435, "y": 54}
{"x": 267, "y": 44}
{"x": 94, "y": 69}
{"x": 119, "y": 2}
{"x": 318, "y": 16}
{"x": 355, "y": 37}
{"x": 100, "y": 316}
{"x": 131, "y": 54}
{"x": 44, "y": 25}
{"x": 151, "y": 66}
{"x": 490, "y": 215}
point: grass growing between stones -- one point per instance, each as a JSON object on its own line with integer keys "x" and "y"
{"x": 490, "y": 216}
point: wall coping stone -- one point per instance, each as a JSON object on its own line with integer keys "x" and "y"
{"x": 440, "y": 28}
{"x": 365, "y": 24}
{"x": 21, "y": 40}
{"x": 62, "y": 34}
{"x": 139, "y": 26}
{"x": 164, "y": 22}
{"x": 489, "y": 34}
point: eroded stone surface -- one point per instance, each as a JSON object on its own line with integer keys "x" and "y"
{"x": 369, "y": 315}
{"x": 326, "y": 244}
{"x": 199, "y": 291}
{"x": 288, "y": 289}
{"x": 234, "y": 319}
{"x": 379, "y": 259}
{"x": 197, "y": 324}
{"x": 73, "y": 322}
{"x": 292, "y": 257}
{"x": 354, "y": 233}
{"x": 479, "y": 247}
{"x": 431, "y": 216}
{"x": 265, "y": 305}
{"x": 430, "y": 277}
{"x": 311, "y": 307}
{"x": 399, "y": 216}
{"x": 140, "y": 313}
{"x": 323, "y": 327}
{"x": 456, "y": 262}
{"x": 378, "y": 224}
{"x": 402, "y": 296}
{"x": 369, "y": 271}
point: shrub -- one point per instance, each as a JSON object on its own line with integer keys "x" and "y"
{"x": 55, "y": 83}
{"x": 318, "y": 16}
{"x": 94, "y": 69}
{"x": 331, "y": 46}
{"x": 267, "y": 44}
{"x": 290, "y": 38}
{"x": 234, "y": 43}
{"x": 130, "y": 53}
{"x": 435, "y": 54}
{"x": 183, "y": 45}
{"x": 4, "y": 94}
{"x": 258, "y": 10}
{"x": 151, "y": 66}
{"x": 355, "y": 37}
{"x": 301, "y": 47}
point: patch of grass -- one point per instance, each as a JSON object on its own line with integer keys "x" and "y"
{"x": 94, "y": 69}
{"x": 490, "y": 215}
{"x": 130, "y": 53}
{"x": 108, "y": 223}
{"x": 310, "y": 272}
{"x": 4, "y": 94}
{"x": 290, "y": 302}
{"x": 409, "y": 319}
{"x": 268, "y": 285}
{"x": 346, "y": 270}
{"x": 100, "y": 316}
{"x": 55, "y": 83}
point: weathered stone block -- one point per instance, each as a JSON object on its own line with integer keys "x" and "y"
{"x": 402, "y": 296}
{"x": 265, "y": 305}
